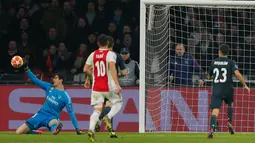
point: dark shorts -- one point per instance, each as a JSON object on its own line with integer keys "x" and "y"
{"x": 105, "y": 100}
{"x": 39, "y": 120}
{"x": 217, "y": 97}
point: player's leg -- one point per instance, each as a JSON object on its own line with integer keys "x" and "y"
{"x": 230, "y": 114}
{"x": 106, "y": 110}
{"x": 215, "y": 106}
{"x": 229, "y": 101}
{"x": 117, "y": 103}
{"x": 217, "y": 126}
{"x": 54, "y": 125}
{"x": 97, "y": 100}
{"x": 31, "y": 125}
{"x": 23, "y": 129}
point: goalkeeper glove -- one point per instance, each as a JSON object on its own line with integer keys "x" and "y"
{"x": 79, "y": 132}
{"x": 25, "y": 66}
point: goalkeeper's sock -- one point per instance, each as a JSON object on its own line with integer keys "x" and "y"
{"x": 35, "y": 132}
{"x": 213, "y": 121}
{"x": 115, "y": 109}
{"x": 53, "y": 127}
{"x": 104, "y": 112}
{"x": 93, "y": 120}
{"x": 230, "y": 113}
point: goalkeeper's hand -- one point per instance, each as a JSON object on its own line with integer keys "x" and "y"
{"x": 25, "y": 66}
{"x": 79, "y": 132}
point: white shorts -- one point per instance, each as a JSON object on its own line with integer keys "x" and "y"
{"x": 98, "y": 97}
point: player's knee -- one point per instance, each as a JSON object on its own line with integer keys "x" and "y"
{"x": 23, "y": 129}
{"x": 215, "y": 111}
{"x": 18, "y": 132}
{"x": 98, "y": 107}
{"x": 52, "y": 122}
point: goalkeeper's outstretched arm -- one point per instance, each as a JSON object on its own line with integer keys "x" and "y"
{"x": 35, "y": 80}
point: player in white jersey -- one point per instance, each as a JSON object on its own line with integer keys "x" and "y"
{"x": 101, "y": 65}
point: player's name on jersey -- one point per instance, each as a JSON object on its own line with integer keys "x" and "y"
{"x": 100, "y": 56}
{"x": 220, "y": 63}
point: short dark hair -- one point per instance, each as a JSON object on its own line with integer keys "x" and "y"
{"x": 102, "y": 40}
{"x": 60, "y": 76}
{"x": 111, "y": 42}
{"x": 224, "y": 48}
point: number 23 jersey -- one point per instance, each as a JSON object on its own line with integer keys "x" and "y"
{"x": 102, "y": 77}
{"x": 222, "y": 70}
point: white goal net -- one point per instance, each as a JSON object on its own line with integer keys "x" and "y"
{"x": 174, "y": 101}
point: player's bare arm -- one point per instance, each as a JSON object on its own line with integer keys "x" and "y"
{"x": 87, "y": 69}
{"x": 114, "y": 75}
{"x": 241, "y": 79}
{"x": 87, "y": 82}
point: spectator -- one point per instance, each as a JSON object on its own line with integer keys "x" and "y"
{"x": 91, "y": 16}
{"x": 132, "y": 78}
{"x": 191, "y": 47}
{"x": 219, "y": 39}
{"x": 23, "y": 27}
{"x": 79, "y": 33}
{"x": 92, "y": 45}
{"x": 183, "y": 66}
{"x": 103, "y": 15}
{"x": 27, "y": 50}
{"x": 131, "y": 45}
{"x": 112, "y": 32}
{"x": 64, "y": 59}
{"x": 126, "y": 29}
{"x": 69, "y": 17}
{"x": 51, "y": 60}
{"x": 80, "y": 59}
{"x": 52, "y": 38}
{"x": 53, "y": 18}
{"x": 12, "y": 51}
{"x": 205, "y": 52}
{"x": 21, "y": 13}
{"x": 118, "y": 19}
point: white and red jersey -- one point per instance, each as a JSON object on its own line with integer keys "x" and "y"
{"x": 102, "y": 78}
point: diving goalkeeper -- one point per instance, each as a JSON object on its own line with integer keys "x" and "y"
{"x": 48, "y": 116}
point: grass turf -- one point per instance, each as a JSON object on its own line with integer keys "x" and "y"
{"x": 68, "y": 137}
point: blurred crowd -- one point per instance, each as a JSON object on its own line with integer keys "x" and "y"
{"x": 203, "y": 29}
{"x": 58, "y": 35}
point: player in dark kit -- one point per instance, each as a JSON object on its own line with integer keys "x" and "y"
{"x": 221, "y": 72}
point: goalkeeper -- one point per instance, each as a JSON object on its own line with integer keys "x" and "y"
{"x": 48, "y": 116}
{"x": 120, "y": 64}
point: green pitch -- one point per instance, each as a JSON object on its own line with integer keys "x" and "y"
{"x": 63, "y": 137}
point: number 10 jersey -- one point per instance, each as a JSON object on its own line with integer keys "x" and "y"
{"x": 102, "y": 77}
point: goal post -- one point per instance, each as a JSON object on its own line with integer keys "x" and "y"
{"x": 165, "y": 106}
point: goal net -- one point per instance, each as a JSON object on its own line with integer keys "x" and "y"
{"x": 171, "y": 97}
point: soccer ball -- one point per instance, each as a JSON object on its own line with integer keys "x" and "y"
{"x": 17, "y": 61}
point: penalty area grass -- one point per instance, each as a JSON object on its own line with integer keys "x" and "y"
{"x": 71, "y": 137}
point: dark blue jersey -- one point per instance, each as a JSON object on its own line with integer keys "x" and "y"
{"x": 120, "y": 62}
{"x": 183, "y": 68}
